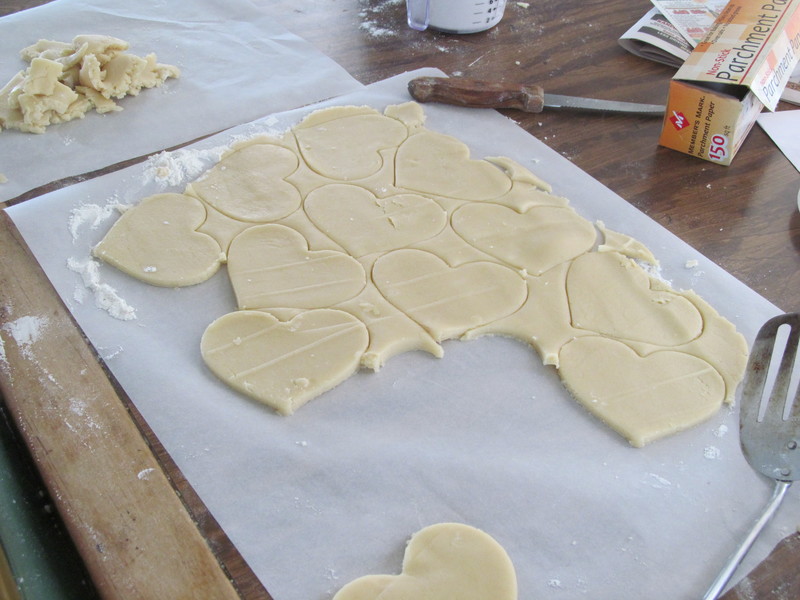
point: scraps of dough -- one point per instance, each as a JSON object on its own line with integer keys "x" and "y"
{"x": 442, "y": 562}
{"x": 67, "y": 79}
{"x": 357, "y": 235}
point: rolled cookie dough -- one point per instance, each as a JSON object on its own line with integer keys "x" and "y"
{"x": 448, "y": 561}
{"x": 397, "y": 231}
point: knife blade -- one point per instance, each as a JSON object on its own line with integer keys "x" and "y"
{"x": 529, "y": 98}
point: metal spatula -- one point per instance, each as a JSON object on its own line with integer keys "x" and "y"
{"x": 769, "y": 425}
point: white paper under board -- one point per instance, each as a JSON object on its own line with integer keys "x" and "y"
{"x": 784, "y": 129}
{"x": 237, "y": 64}
{"x": 485, "y": 435}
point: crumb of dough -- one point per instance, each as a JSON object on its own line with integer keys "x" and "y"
{"x": 3, "y": 178}
{"x": 66, "y": 80}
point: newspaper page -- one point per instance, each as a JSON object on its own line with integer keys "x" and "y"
{"x": 692, "y": 18}
{"x": 653, "y": 37}
{"x": 672, "y": 28}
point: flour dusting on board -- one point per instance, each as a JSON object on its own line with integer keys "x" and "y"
{"x": 105, "y": 296}
{"x": 25, "y": 331}
{"x": 144, "y": 474}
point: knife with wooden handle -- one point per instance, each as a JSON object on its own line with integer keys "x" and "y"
{"x": 529, "y": 98}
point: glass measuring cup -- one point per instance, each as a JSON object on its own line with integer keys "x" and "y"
{"x": 455, "y": 16}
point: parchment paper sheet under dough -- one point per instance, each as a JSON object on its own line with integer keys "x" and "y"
{"x": 485, "y": 435}
{"x": 237, "y": 64}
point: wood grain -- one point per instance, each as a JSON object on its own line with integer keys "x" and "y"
{"x": 117, "y": 502}
{"x": 777, "y": 578}
{"x": 742, "y": 217}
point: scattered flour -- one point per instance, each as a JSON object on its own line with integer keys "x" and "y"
{"x": 691, "y": 264}
{"x": 180, "y": 166}
{"x": 3, "y": 352}
{"x": 144, "y": 474}
{"x": 92, "y": 215}
{"x": 105, "y": 296}
{"x": 658, "y": 482}
{"x": 653, "y": 271}
{"x": 711, "y": 452}
{"x": 721, "y": 430}
{"x": 77, "y": 406}
{"x": 375, "y": 30}
{"x": 25, "y": 331}
{"x": 170, "y": 169}
{"x": 268, "y": 126}
{"x": 109, "y": 353}
{"x": 372, "y": 27}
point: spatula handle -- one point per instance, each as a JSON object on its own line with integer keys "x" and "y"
{"x": 736, "y": 558}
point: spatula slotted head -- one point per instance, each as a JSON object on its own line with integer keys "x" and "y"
{"x": 769, "y": 440}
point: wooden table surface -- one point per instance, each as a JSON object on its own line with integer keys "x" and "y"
{"x": 743, "y": 217}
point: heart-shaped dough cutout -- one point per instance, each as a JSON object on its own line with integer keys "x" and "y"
{"x": 345, "y": 143}
{"x": 270, "y": 266}
{"x": 448, "y": 301}
{"x": 363, "y": 224}
{"x": 248, "y": 184}
{"x": 284, "y": 364}
{"x": 642, "y": 398}
{"x": 446, "y": 561}
{"x": 433, "y": 163}
{"x": 536, "y": 240}
{"x": 610, "y": 294}
{"x": 157, "y": 242}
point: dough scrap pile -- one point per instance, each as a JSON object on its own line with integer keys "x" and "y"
{"x": 66, "y": 80}
{"x": 359, "y": 235}
{"x": 446, "y": 561}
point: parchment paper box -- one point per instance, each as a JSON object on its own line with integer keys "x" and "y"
{"x": 741, "y": 66}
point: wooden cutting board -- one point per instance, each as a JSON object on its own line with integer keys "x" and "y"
{"x": 138, "y": 525}
{"x": 117, "y": 500}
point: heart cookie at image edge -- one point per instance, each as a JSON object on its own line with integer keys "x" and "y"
{"x": 612, "y": 295}
{"x": 284, "y": 364}
{"x": 433, "y": 163}
{"x": 363, "y": 224}
{"x": 447, "y": 561}
{"x": 642, "y": 398}
{"x": 270, "y": 266}
{"x": 448, "y": 301}
{"x": 157, "y": 242}
{"x": 536, "y": 240}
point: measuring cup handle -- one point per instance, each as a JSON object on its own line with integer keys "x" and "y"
{"x": 418, "y": 14}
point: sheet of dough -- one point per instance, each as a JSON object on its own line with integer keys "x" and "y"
{"x": 237, "y": 64}
{"x": 485, "y": 435}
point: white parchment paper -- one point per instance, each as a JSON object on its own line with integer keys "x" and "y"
{"x": 485, "y": 436}
{"x": 237, "y": 64}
